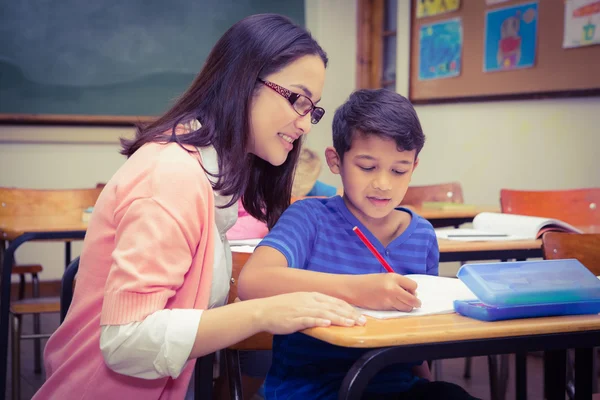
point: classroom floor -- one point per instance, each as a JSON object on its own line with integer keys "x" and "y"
{"x": 452, "y": 370}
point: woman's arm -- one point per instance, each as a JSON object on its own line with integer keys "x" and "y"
{"x": 163, "y": 342}
{"x": 224, "y": 326}
{"x": 266, "y": 274}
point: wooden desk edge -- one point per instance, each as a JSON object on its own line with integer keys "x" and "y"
{"x": 482, "y": 330}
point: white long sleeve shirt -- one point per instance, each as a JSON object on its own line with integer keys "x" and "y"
{"x": 161, "y": 344}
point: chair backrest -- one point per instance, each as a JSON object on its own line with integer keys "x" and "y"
{"x": 579, "y": 207}
{"x": 17, "y": 202}
{"x": 443, "y": 192}
{"x": 583, "y": 247}
{"x": 263, "y": 340}
{"x": 66, "y": 288}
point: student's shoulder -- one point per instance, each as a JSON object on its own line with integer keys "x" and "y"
{"x": 422, "y": 226}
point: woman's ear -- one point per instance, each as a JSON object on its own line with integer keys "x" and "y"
{"x": 333, "y": 160}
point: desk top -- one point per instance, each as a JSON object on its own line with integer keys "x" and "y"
{"x": 13, "y": 227}
{"x": 446, "y": 328}
{"x": 456, "y": 213}
{"x": 455, "y": 246}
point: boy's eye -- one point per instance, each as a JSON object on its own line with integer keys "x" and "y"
{"x": 398, "y": 172}
{"x": 366, "y": 168}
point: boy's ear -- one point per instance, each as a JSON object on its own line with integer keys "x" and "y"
{"x": 333, "y": 160}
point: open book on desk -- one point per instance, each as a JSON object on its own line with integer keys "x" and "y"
{"x": 437, "y": 295}
{"x": 498, "y": 226}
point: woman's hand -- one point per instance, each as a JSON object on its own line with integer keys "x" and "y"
{"x": 385, "y": 291}
{"x": 292, "y": 312}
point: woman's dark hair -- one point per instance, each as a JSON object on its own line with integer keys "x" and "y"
{"x": 220, "y": 98}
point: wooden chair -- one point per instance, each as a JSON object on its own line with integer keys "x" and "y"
{"x": 41, "y": 203}
{"x": 261, "y": 341}
{"x": 579, "y": 207}
{"x": 586, "y": 249}
{"x": 442, "y": 192}
{"x": 38, "y": 306}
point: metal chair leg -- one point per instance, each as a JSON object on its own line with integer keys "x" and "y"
{"x": 37, "y": 345}
{"x": 16, "y": 357}
{"x": 467, "y": 373}
{"x": 498, "y": 373}
{"x": 203, "y": 383}
{"x": 21, "y": 286}
{"x": 234, "y": 374}
{"x": 437, "y": 370}
{"x": 595, "y": 371}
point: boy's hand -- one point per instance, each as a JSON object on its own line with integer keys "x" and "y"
{"x": 292, "y": 312}
{"x": 385, "y": 291}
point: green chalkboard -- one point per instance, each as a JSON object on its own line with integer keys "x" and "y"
{"x": 110, "y": 59}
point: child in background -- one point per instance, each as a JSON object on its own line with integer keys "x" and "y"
{"x": 377, "y": 138}
{"x": 305, "y": 185}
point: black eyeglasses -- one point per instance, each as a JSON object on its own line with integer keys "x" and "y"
{"x": 300, "y": 103}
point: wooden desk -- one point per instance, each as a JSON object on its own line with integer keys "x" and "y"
{"x": 453, "y": 250}
{"x": 451, "y": 335}
{"x": 18, "y": 230}
{"x": 13, "y": 227}
{"x": 451, "y": 217}
{"x": 446, "y": 328}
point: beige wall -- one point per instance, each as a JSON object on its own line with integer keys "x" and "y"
{"x": 535, "y": 144}
{"x": 486, "y": 146}
{"x": 56, "y": 157}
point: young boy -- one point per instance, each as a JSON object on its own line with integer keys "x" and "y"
{"x": 377, "y": 138}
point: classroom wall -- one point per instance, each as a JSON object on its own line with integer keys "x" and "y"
{"x": 546, "y": 144}
{"x": 57, "y": 157}
{"x": 533, "y": 144}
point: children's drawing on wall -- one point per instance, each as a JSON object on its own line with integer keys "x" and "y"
{"x": 510, "y": 37}
{"x": 582, "y": 23}
{"x": 440, "y": 49}
{"x": 428, "y": 8}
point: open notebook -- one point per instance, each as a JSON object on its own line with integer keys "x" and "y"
{"x": 437, "y": 295}
{"x": 498, "y": 226}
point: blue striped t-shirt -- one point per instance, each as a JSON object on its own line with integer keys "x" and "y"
{"x": 316, "y": 235}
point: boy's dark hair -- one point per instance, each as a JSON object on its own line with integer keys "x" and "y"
{"x": 220, "y": 98}
{"x": 377, "y": 112}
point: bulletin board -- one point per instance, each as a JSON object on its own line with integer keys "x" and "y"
{"x": 556, "y": 71}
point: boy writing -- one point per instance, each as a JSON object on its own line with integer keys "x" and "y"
{"x": 377, "y": 138}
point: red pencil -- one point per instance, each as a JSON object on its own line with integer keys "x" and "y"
{"x": 370, "y": 246}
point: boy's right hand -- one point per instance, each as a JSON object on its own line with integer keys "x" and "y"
{"x": 385, "y": 291}
{"x": 292, "y": 312}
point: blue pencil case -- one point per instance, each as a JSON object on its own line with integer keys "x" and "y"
{"x": 527, "y": 289}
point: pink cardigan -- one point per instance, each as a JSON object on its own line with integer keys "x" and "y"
{"x": 145, "y": 250}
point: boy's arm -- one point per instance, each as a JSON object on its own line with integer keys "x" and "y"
{"x": 290, "y": 243}
{"x": 267, "y": 274}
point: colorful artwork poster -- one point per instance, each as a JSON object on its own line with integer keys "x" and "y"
{"x": 440, "y": 49}
{"x": 582, "y": 23}
{"x": 429, "y": 8}
{"x": 510, "y": 37}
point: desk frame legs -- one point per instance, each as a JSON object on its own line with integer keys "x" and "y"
{"x": 5, "y": 288}
{"x": 370, "y": 363}
{"x": 521, "y": 376}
